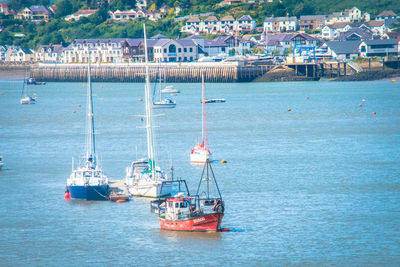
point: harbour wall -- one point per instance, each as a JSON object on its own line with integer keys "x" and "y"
{"x": 176, "y": 73}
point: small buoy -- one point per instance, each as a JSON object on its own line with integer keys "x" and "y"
{"x": 394, "y": 81}
{"x": 79, "y": 105}
{"x": 101, "y": 86}
{"x": 360, "y": 105}
{"x": 374, "y": 113}
{"x": 223, "y": 161}
{"x": 120, "y": 200}
{"x": 67, "y": 195}
{"x": 308, "y": 97}
{"x": 175, "y": 94}
{"x": 2, "y": 93}
{"x": 35, "y": 97}
{"x": 102, "y": 99}
{"x": 83, "y": 84}
{"x": 74, "y": 111}
{"x": 140, "y": 99}
{"x": 289, "y": 109}
{"x": 225, "y": 229}
{"x": 363, "y": 100}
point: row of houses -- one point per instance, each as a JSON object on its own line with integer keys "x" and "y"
{"x": 225, "y": 25}
{"x": 120, "y": 50}
{"x": 312, "y": 22}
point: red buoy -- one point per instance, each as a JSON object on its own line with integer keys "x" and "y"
{"x": 79, "y": 105}
{"x": 74, "y": 111}
{"x": 360, "y": 105}
{"x": 140, "y": 99}
{"x": 67, "y": 195}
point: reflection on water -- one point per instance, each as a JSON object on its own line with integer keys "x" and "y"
{"x": 176, "y": 236}
{"x": 317, "y": 185}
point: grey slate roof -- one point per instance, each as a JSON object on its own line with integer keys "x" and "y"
{"x": 381, "y": 42}
{"x": 40, "y": 9}
{"x": 363, "y": 33}
{"x": 346, "y": 47}
{"x": 277, "y": 19}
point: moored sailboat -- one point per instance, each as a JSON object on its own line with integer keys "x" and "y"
{"x": 88, "y": 181}
{"x": 198, "y": 213}
{"x": 144, "y": 177}
{"x": 25, "y": 98}
{"x": 201, "y": 153}
{"x": 161, "y": 103}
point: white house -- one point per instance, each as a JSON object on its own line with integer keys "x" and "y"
{"x": 98, "y": 50}
{"x": 80, "y": 13}
{"x": 332, "y": 32}
{"x": 280, "y": 24}
{"x": 49, "y": 53}
{"x": 18, "y": 54}
{"x": 167, "y": 50}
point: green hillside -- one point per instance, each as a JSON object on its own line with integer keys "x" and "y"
{"x": 58, "y": 30}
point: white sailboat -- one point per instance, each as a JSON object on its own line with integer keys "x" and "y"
{"x": 162, "y": 103}
{"x": 88, "y": 181}
{"x": 25, "y": 98}
{"x": 1, "y": 162}
{"x": 201, "y": 153}
{"x": 144, "y": 177}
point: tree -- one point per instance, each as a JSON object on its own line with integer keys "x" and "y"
{"x": 63, "y": 8}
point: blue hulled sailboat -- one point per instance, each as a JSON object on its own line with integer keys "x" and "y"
{"x": 88, "y": 180}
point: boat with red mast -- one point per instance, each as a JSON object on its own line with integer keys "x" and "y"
{"x": 198, "y": 213}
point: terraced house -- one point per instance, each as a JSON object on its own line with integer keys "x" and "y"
{"x": 280, "y": 24}
{"x": 225, "y": 25}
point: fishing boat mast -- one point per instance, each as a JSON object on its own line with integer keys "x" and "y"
{"x": 90, "y": 139}
{"x": 149, "y": 126}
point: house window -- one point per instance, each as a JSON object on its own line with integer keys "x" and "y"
{"x": 172, "y": 48}
{"x": 191, "y": 49}
{"x": 184, "y": 50}
{"x": 179, "y": 50}
{"x": 165, "y": 50}
{"x": 191, "y": 58}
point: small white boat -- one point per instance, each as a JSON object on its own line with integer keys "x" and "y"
{"x": 170, "y": 90}
{"x": 201, "y": 153}
{"x": 144, "y": 178}
{"x": 1, "y": 162}
{"x": 214, "y": 100}
{"x": 165, "y": 103}
{"x": 25, "y": 98}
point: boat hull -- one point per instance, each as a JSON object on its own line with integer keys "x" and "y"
{"x": 157, "y": 106}
{"x": 150, "y": 190}
{"x": 98, "y": 192}
{"x": 202, "y": 223}
{"x": 200, "y": 157}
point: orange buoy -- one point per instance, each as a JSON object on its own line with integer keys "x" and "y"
{"x": 289, "y": 109}
{"x": 393, "y": 81}
{"x": 360, "y": 105}
{"x": 374, "y": 112}
{"x": 223, "y": 161}
{"x": 140, "y": 99}
{"x": 79, "y": 105}
{"x": 120, "y": 200}
{"x": 74, "y": 111}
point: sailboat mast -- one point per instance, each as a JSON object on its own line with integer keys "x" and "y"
{"x": 203, "y": 116}
{"x": 149, "y": 127}
{"x": 90, "y": 139}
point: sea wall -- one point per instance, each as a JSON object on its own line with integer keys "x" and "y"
{"x": 213, "y": 72}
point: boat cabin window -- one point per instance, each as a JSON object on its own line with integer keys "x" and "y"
{"x": 176, "y": 205}
{"x": 184, "y": 204}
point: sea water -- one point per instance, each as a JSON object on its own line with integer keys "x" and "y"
{"x": 319, "y": 184}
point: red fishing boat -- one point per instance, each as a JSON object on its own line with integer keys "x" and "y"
{"x": 200, "y": 212}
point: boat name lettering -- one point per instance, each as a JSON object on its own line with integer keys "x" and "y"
{"x": 199, "y": 220}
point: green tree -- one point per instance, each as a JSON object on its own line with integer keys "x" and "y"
{"x": 63, "y": 8}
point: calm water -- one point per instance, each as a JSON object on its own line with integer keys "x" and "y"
{"x": 317, "y": 185}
